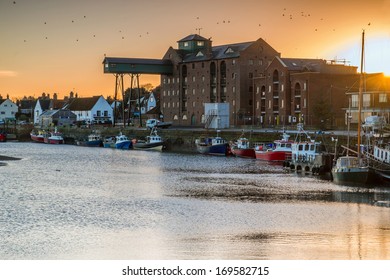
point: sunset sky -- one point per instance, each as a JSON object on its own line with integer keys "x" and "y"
{"x": 58, "y": 46}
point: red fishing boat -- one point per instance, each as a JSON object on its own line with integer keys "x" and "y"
{"x": 54, "y": 138}
{"x": 280, "y": 150}
{"x": 242, "y": 148}
{"x": 3, "y": 136}
{"x": 38, "y": 136}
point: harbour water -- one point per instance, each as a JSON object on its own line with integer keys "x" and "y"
{"x": 70, "y": 202}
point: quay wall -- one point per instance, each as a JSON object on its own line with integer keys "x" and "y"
{"x": 183, "y": 139}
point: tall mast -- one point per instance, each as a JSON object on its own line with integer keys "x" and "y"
{"x": 360, "y": 95}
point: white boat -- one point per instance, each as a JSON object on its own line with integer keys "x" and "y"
{"x": 349, "y": 169}
{"x": 152, "y": 142}
{"x": 309, "y": 156}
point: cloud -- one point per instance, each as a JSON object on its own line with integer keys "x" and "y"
{"x": 8, "y": 73}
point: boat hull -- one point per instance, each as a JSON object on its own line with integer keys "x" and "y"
{"x": 351, "y": 175}
{"x": 96, "y": 143}
{"x": 53, "y": 141}
{"x": 37, "y": 138}
{"x": 158, "y": 146}
{"x": 244, "y": 153}
{"x": 125, "y": 145}
{"x": 277, "y": 156}
{"x": 3, "y": 137}
{"x": 217, "y": 150}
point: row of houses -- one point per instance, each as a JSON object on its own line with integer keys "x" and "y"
{"x": 53, "y": 111}
{"x": 257, "y": 86}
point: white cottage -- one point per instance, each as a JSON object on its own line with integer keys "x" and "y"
{"x": 8, "y": 110}
{"x": 94, "y": 109}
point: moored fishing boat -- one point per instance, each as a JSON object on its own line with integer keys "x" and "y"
{"x": 123, "y": 142}
{"x": 213, "y": 146}
{"x": 243, "y": 149}
{"x": 38, "y": 136}
{"x": 349, "y": 169}
{"x": 279, "y": 152}
{"x": 3, "y": 137}
{"x": 309, "y": 156}
{"x": 354, "y": 169}
{"x": 152, "y": 142}
{"x": 53, "y": 137}
{"x": 94, "y": 140}
{"x": 109, "y": 142}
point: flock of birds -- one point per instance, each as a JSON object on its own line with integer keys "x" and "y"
{"x": 285, "y": 14}
{"x": 75, "y": 21}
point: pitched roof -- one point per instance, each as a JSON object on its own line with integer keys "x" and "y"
{"x": 302, "y": 64}
{"x": 217, "y": 52}
{"x": 45, "y": 103}
{"x": 82, "y": 104}
{"x": 193, "y": 37}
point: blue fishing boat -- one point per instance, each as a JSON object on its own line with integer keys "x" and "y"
{"x": 123, "y": 142}
{"x": 94, "y": 140}
{"x": 213, "y": 146}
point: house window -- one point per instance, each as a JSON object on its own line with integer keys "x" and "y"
{"x": 366, "y": 100}
{"x": 382, "y": 97}
{"x": 98, "y": 113}
{"x": 200, "y": 43}
{"x": 186, "y": 44}
{"x": 250, "y": 62}
{"x": 355, "y": 101}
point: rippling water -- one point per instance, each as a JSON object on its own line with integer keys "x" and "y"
{"x": 69, "y": 202}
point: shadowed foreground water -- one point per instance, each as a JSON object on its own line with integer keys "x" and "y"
{"x": 69, "y": 202}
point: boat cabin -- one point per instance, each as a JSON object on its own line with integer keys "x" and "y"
{"x": 307, "y": 151}
{"x": 243, "y": 143}
{"x": 382, "y": 154}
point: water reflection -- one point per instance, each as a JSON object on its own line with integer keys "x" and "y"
{"x": 78, "y": 203}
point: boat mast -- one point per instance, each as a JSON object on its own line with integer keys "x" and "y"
{"x": 360, "y": 95}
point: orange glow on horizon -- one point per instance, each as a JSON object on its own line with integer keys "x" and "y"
{"x": 60, "y": 47}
